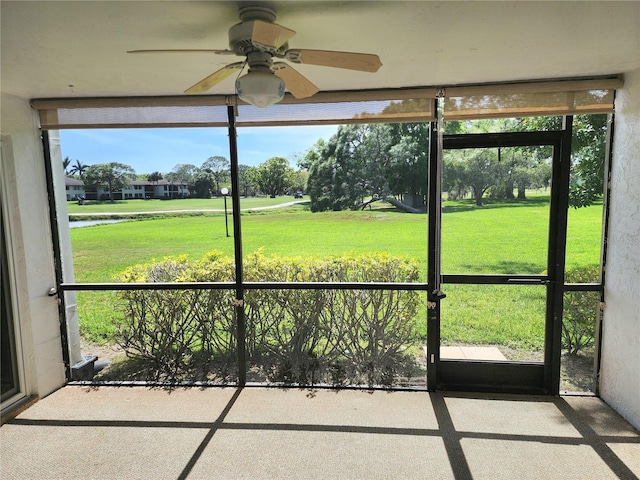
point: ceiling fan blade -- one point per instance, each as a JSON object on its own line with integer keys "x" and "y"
{"x": 215, "y": 78}
{"x": 296, "y": 83}
{"x": 270, "y": 34}
{"x": 217, "y": 52}
{"x": 364, "y": 62}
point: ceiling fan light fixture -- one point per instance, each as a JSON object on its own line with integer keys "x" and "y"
{"x": 261, "y": 41}
{"x": 260, "y": 89}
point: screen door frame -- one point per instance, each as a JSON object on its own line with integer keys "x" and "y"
{"x": 503, "y": 376}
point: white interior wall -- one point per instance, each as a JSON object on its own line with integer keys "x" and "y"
{"x": 620, "y": 371}
{"x": 33, "y": 272}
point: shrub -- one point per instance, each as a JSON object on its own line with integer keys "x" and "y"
{"x": 214, "y": 313}
{"x": 362, "y": 333}
{"x": 372, "y": 328}
{"x": 297, "y": 335}
{"x": 158, "y": 325}
{"x": 167, "y": 327}
{"x": 580, "y": 311}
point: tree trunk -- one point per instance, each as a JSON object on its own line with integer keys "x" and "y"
{"x": 404, "y": 207}
{"x": 508, "y": 193}
{"x": 477, "y": 194}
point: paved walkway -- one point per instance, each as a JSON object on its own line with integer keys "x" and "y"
{"x": 471, "y": 353}
{"x": 153, "y": 212}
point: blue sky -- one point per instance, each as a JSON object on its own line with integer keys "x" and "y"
{"x": 160, "y": 149}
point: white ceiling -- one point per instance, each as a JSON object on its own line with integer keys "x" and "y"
{"x": 78, "y": 48}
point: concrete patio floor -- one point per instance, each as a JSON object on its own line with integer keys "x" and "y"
{"x": 151, "y": 433}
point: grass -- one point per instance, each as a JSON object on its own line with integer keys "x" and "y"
{"x": 494, "y": 315}
{"x": 102, "y": 251}
{"x": 506, "y": 237}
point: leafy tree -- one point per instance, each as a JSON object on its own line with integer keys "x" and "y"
{"x": 412, "y": 105}
{"x": 408, "y": 172}
{"x": 246, "y": 179}
{"x": 475, "y": 169}
{"x": 587, "y": 159}
{"x": 532, "y": 170}
{"x": 109, "y": 176}
{"x": 203, "y": 183}
{"x": 587, "y": 154}
{"x": 379, "y": 161}
{"x": 479, "y": 172}
{"x": 320, "y": 185}
{"x": 183, "y": 173}
{"x": 517, "y": 168}
{"x": 306, "y": 159}
{"x": 274, "y": 176}
{"x": 390, "y": 162}
{"x": 299, "y": 180}
{"x": 304, "y": 162}
{"x": 521, "y": 168}
{"x": 453, "y": 178}
{"x": 219, "y": 168}
{"x": 348, "y": 168}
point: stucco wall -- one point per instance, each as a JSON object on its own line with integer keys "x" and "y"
{"x": 26, "y": 204}
{"x": 620, "y": 372}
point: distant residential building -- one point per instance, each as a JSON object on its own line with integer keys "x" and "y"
{"x": 140, "y": 189}
{"x": 167, "y": 189}
{"x": 137, "y": 189}
{"x": 74, "y": 188}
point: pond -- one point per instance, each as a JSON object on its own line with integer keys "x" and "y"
{"x": 89, "y": 223}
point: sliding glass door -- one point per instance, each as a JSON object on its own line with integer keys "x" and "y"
{"x": 9, "y": 365}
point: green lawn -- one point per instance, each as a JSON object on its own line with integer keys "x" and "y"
{"x": 496, "y": 238}
{"x": 102, "y": 251}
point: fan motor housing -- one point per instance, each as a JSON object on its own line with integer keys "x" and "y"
{"x": 240, "y": 38}
{"x": 240, "y": 34}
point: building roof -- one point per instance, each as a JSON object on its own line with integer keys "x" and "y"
{"x": 71, "y": 181}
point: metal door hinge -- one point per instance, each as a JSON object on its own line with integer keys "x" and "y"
{"x": 237, "y": 302}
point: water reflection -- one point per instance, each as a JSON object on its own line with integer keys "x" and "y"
{"x": 89, "y": 223}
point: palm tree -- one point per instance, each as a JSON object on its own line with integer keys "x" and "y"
{"x": 154, "y": 178}
{"x": 65, "y": 164}
{"x": 79, "y": 168}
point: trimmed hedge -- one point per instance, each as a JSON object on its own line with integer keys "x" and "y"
{"x": 298, "y": 336}
{"x": 580, "y": 311}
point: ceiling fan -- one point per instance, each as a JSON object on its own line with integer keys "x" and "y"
{"x": 261, "y": 40}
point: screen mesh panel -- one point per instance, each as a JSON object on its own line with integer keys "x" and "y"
{"x": 528, "y": 104}
{"x": 131, "y": 117}
{"x": 571, "y": 97}
{"x": 368, "y": 111}
{"x": 368, "y": 106}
